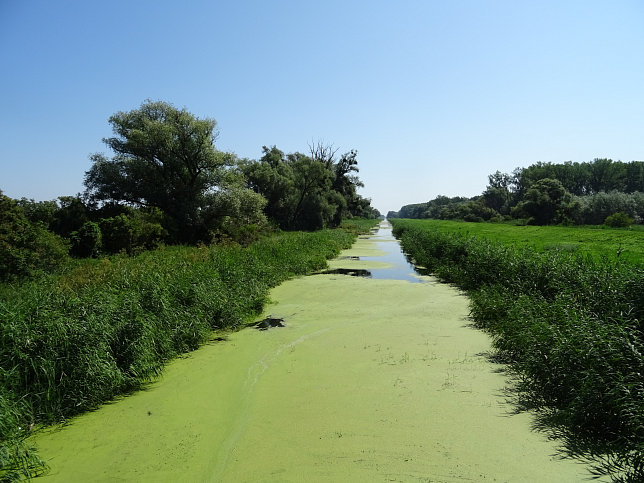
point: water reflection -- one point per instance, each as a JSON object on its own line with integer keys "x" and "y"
{"x": 400, "y": 268}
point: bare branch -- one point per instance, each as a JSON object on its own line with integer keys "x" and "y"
{"x": 325, "y": 153}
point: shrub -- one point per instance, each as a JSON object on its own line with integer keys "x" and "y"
{"x": 618, "y": 220}
{"x": 545, "y": 202}
{"x": 87, "y": 241}
{"x": 117, "y": 233}
{"x": 594, "y": 209}
{"x": 26, "y": 248}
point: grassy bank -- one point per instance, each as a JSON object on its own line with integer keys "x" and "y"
{"x": 597, "y": 241}
{"x": 73, "y": 341}
{"x": 569, "y": 325}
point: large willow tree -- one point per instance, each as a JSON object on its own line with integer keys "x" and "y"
{"x": 166, "y": 158}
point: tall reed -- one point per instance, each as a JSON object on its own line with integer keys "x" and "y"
{"x": 71, "y": 342}
{"x": 570, "y": 326}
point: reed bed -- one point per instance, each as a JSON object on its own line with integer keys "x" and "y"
{"x": 570, "y": 328}
{"x": 103, "y": 328}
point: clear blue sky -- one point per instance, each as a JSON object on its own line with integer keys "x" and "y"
{"x": 434, "y": 95}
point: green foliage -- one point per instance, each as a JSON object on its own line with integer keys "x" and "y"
{"x": 71, "y": 214}
{"x": 18, "y": 460}
{"x": 307, "y": 193}
{"x": 584, "y": 178}
{"x": 445, "y": 208}
{"x": 26, "y": 248}
{"x": 474, "y": 211}
{"x": 42, "y": 212}
{"x": 272, "y": 177}
{"x": 313, "y": 203}
{"x": 570, "y": 327}
{"x": 619, "y": 220}
{"x": 346, "y": 184}
{"x": 497, "y": 195}
{"x": 165, "y": 158}
{"x": 87, "y": 241}
{"x": 132, "y": 232}
{"x": 599, "y": 188}
{"x": 594, "y": 209}
{"x": 359, "y": 226}
{"x": 362, "y": 209}
{"x": 442, "y": 207}
{"x": 118, "y": 234}
{"x": 598, "y": 242}
{"x": 72, "y": 342}
{"x": 236, "y": 214}
{"x": 545, "y": 202}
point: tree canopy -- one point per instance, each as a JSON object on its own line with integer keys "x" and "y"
{"x": 545, "y": 193}
{"x": 546, "y": 201}
{"x": 166, "y": 182}
{"x": 165, "y": 158}
{"x": 308, "y": 192}
{"x": 25, "y": 247}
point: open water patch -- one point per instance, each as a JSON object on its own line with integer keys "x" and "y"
{"x": 399, "y": 266}
{"x": 377, "y": 256}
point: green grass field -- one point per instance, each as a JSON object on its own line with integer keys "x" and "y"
{"x": 598, "y": 241}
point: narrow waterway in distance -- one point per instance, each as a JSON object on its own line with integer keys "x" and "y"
{"x": 384, "y": 260}
{"x": 400, "y": 268}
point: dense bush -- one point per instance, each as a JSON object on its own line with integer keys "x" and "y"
{"x": 87, "y": 241}
{"x": 131, "y": 233}
{"x": 70, "y": 215}
{"x": 92, "y": 230}
{"x": 547, "y": 201}
{"x": 307, "y": 192}
{"x": 580, "y": 179}
{"x": 571, "y": 328}
{"x": 594, "y": 209}
{"x": 71, "y": 342}
{"x": 26, "y": 248}
{"x": 618, "y": 220}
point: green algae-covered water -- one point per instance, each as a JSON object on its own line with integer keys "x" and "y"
{"x": 371, "y": 379}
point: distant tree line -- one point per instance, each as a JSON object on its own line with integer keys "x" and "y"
{"x": 596, "y": 192}
{"x": 168, "y": 184}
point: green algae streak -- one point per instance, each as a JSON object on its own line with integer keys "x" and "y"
{"x": 370, "y": 380}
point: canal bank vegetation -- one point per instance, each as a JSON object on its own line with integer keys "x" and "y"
{"x": 172, "y": 240}
{"x": 596, "y": 241}
{"x": 167, "y": 184}
{"x": 570, "y": 327}
{"x": 106, "y": 327}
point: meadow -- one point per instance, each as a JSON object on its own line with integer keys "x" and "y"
{"x": 567, "y": 323}
{"x": 598, "y": 241}
{"x": 105, "y": 327}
